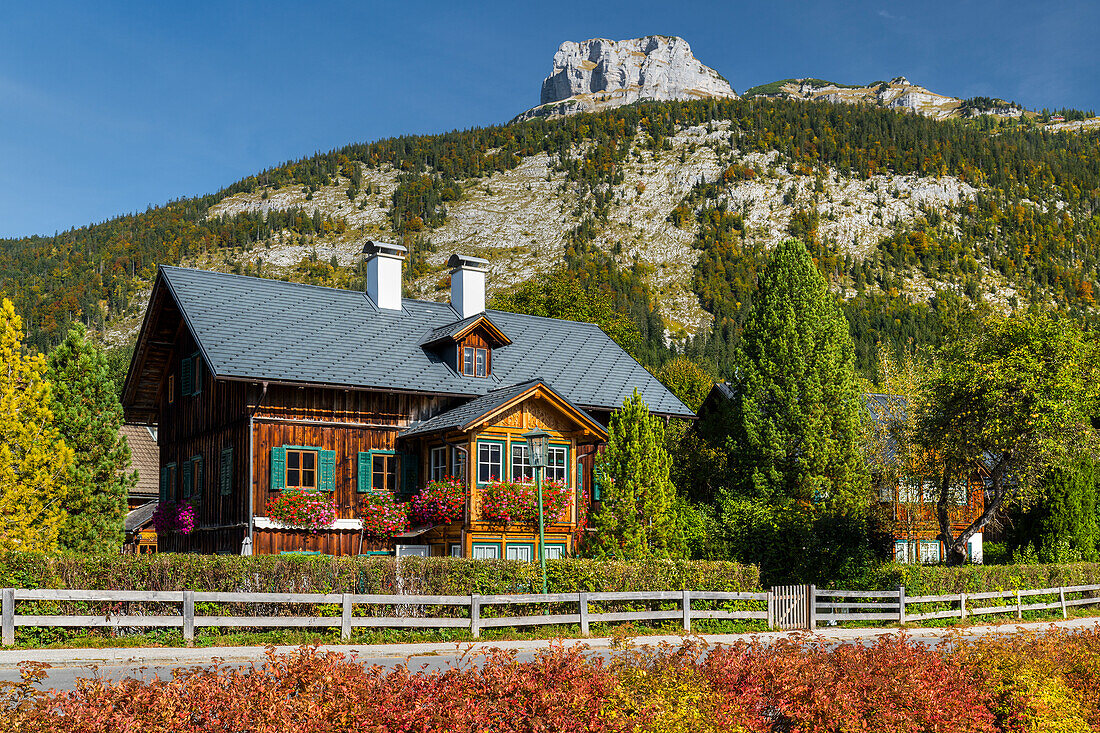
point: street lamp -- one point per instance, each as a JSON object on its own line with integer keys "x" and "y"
{"x": 538, "y": 441}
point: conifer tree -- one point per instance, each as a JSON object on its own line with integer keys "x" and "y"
{"x": 797, "y": 418}
{"x": 88, "y": 415}
{"x": 637, "y": 519}
{"x": 34, "y": 460}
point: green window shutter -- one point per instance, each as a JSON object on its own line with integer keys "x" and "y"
{"x": 580, "y": 477}
{"x": 278, "y": 469}
{"x": 185, "y": 479}
{"x": 410, "y": 474}
{"x": 187, "y": 376}
{"x": 328, "y": 470}
{"x": 596, "y": 486}
{"x": 198, "y": 476}
{"x": 363, "y": 473}
{"x": 225, "y": 475}
{"x": 164, "y": 484}
{"x": 196, "y": 377}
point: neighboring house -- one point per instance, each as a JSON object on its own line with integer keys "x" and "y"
{"x": 258, "y": 386}
{"x": 142, "y": 501}
{"x": 909, "y": 501}
{"x": 145, "y": 459}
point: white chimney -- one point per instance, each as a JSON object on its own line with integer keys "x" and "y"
{"x": 384, "y": 273}
{"x": 468, "y": 284}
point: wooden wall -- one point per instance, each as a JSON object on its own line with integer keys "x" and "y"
{"x": 202, "y": 425}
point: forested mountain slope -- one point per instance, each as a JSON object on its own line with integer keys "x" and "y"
{"x": 665, "y": 207}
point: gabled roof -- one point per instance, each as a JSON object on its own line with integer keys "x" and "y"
{"x": 139, "y": 517}
{"x": 144, "y": 458}
{"x": 455, "y": 331}
{"x": 254, "y": 329}
{"x": 476, "y": 411}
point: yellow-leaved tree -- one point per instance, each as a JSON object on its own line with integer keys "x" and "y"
{"x": 34, "y": 460}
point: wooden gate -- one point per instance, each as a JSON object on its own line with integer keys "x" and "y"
{"x": 790, "y": 607}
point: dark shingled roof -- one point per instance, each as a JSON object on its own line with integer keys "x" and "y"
{"x": 140, "y": 517}
{"x": 444, "y": 333}
{"x": 269, "y": 330}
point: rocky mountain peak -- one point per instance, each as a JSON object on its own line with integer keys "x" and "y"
{"x": 600, "y": 73}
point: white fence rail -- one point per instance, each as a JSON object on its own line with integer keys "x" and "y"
{"x": 188, "y": 620}
{"x": 786, "y": 607}
{"x": 894, "y": 605}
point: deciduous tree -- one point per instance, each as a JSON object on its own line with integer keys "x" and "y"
{"x": 34, "y": 459}
{"x": 1016, "y": 397}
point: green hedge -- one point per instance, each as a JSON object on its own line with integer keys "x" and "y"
{"x": 932, "y": 580}
{"x": 323, "y": 574}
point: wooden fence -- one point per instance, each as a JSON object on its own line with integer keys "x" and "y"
{"x": 786, "y": 607}
{"x": 897, "y": 607}
{"x": 467, "y": 610}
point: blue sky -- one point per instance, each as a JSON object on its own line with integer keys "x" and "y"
{"x": 107, "y": 107}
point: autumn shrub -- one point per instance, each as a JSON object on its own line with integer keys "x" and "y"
{"x": 891, "y": 685}
{"x": 1044, "y": 681}
{"x": 309, "y": 692}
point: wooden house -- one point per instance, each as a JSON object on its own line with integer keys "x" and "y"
{"x": 261, "y": 386}
{"x": 908, "y": 504}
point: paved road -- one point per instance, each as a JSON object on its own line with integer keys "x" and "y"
{"x": 69, "y": 665}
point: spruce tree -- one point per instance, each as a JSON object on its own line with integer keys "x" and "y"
{"x": 34, "y": 460}
{"x": 88, "y": 414}
{"x": 796, "y": 428}
{"x": 637, "y": 519}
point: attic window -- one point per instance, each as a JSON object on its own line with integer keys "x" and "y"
{"x": 475, "y": 361}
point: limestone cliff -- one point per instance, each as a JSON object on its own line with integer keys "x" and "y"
{"x": 596, "y": 74}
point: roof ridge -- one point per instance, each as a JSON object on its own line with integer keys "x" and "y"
{"x": 312, "y": 286}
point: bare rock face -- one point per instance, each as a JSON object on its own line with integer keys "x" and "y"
{"x": 598, "y": 73}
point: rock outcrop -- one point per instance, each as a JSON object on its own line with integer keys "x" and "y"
{"x": 599, "y": 73}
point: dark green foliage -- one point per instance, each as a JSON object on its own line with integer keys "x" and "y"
{"x": 322, "y": 574}
{"x": 88, "y": 415}
{"x": 794, "y": 546}
{"x": 796, "y": 422}
{"x": 561, "y": 294}
{"x": 687, "y": 380}
{"x": 935, "y": 580}
{"x": 1063, "y": 525}
{"x": 636, "y": 519}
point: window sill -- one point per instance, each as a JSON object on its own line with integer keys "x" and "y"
{"x": 344, "y": 524}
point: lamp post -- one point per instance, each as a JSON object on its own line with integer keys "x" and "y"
{"x": 537, "y": 443}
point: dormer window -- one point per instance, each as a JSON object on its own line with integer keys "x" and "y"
{"x": 467, "y": 345}
{"x": 475, "y": 361}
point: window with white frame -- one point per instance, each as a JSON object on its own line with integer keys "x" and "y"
{"x": 959, "y": 493}
{"x": 523, "y": 553}
{"x": 475, "y": 362}
{"x": 489, "y": 462}
{"x": 486, "y": 552}
{"x": 554, "y": 552}
{"x": 438, "y": 463}
{"x": 930, "y": 552}
{"x": 885, "y": 491}
{"x": 556, "y": 457}
{"x": 521, "y": 463}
